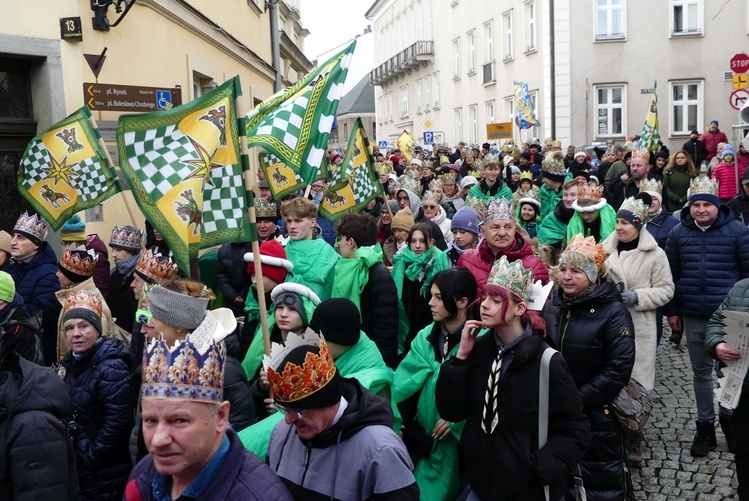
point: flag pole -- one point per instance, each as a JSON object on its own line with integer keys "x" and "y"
{"x": 109, "y": 158}
{"x": 250, "y": 177}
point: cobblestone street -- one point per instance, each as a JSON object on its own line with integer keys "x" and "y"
{"x": 668, "y": 471}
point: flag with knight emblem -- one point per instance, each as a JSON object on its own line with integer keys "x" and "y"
{"x": 294, "y": 124}
{"x": 406, "y": 145}
{"x": 649, "y": 137}
{"x": 65, "y": 170}
{"x": 185, "y": 172}
{"x": 354, "y": 182}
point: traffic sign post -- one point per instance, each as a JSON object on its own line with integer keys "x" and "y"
{"x": 428, "y": 137}
{"x": 738, "y": 98}
{"x": 740, "y": 63}
{"x": 114, "y": 97}
{"x": 382, "y": 145}
{"x": 740, "y": 81}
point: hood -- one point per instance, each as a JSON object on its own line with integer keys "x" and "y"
{"x": 7, "y": 312}
{"x": 31, "y": 387}
{"x": 364, "y": 409}
{"x": 521, "y": 249}
{"x": 441, "y": 215}
{"x": 605, "y": 292}
{"x": 724, "y": 215}
{"x": 413, "y": 200}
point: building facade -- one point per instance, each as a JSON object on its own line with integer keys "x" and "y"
{"x": 447, "y": 67}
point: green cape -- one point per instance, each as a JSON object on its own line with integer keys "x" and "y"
{"x": 504, "y": 192}
{"x": 549, "y": 199}
{"x": 314, "y": 264}
{"x": 551, "y": 230}
{"x": 351, "y": 275}
{"x": 608, "y": 223}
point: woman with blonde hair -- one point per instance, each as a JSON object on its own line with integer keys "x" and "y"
{"x": 676, "y": 178}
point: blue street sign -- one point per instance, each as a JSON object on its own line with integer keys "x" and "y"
{"x": 382, "y": 145}
{"x": 429, "y": 137}
{"x": 163, "y": 100}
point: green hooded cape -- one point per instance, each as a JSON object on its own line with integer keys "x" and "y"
{"x": 608, "y": 224}
{"x": 314, "y": 264}
{"x": 351, "y": 275}
{"x": 549, "y": 199}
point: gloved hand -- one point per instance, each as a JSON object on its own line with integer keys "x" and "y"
{"x": 629, "y": 297}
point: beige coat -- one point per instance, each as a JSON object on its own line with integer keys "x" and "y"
{"x": 645, "y": 271}
{"x": 106, "y": 315}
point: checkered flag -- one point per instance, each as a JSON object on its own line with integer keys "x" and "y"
{"x": 65, "y": 169}
{"x": 184, "y": 168}
{"x": 295, "y": 123}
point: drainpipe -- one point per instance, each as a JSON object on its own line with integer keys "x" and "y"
{"x": 553, "y": 79}
{"x": 275, "y": 48}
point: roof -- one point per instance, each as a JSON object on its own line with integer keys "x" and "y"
{"x": 360, "y": 99}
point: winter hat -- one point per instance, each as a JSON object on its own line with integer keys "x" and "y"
{"x": 291, "y": 294}
{"x": 526, "y": 155}
{"x": 395, "y": 159}
{"x": 84, "y": 305}
{"x": 274, "y": 263}
{"x": 713, "y": 122}
{"x": 728, "y": 150}
{"x": 553, "y": 166}
{"x": 176, "y": 309}
{"x": 394, "y": 207}
{"x": 77, "y": 263}
{"x": 514, "y": 170}
{"x": 7, "y": 287}
{"x": 338, "y": 320}
{"x": 468, "y": 181}
{"x": 704, "y": 188}
{"x": 507, "y": 159}
{"x": 402, "y": 220}
{"x": 581, "y": 154}
{"x": 74, "y": 230}
{"x": 6, "y": 237}
{"x": 466, "y": 219}
{"x": 416, "y": 161}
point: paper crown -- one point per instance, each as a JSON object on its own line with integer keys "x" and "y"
{"x": 499, "y": 208}
{"x": 556, "y": 143}
{"x": 553, "y": 163}
{"x": 476, "y": 172}
{"x": 428, "y": 196}
{"x": 292, "y": 383}
{"x": 156, "y": 267}
{"x": 703, "y": 185}
{"x": 427, "y": 164}
{"x": 526, "y": 174}
{"x": 511, "y": 276}
{"x": 265, "y": 209}
{"x": 383, "y": 167}
{"x": 436, "y": 184}
{"x": 79, "y": 260}
{"x": 411, "y": 184}
{"x": 185, "y": 371}
{"x": 413, "y": 173}
{"x": 651, "y": 185}
{"x": 478, "y": 206}
{"x": 83, "y": 300}
{"x": 448, "y": 179}
{"x": 642, "y": 153}
{"x": 31, "y": 225}
{"x": 636, "y": 207}
{"x": 127, "y": 237}
{"x": 588, "y": 247}
{"x": 590, "y": 191}
{"x": 490, "y": 159}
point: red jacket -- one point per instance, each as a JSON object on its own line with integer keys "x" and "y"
{"x": 726, "y": 176}
{"x": 479, "y": 261}
{"x": 711, "y": 142}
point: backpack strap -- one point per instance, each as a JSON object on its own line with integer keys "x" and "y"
{"x": 543, "y": 402}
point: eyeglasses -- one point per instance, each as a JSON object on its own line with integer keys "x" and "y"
{"x": 297, "y": 414}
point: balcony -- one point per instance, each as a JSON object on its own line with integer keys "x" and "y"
{"x": 404, "y": 61}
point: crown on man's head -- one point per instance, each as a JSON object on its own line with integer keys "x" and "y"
{"x": 651, "y": 185}
{"x": 184, "y": 371}
{"x": 126, "y": 237}
{"x": 590, "y": 191}
{"x": 156, "y": 267}
{"x": 642, "y": 153}
{"x": 31, "y": 225}
{"x": 511, "y": 276}
{"x": 700, "y": 185}
{"x": 84, "y": 300}
{"x": 265, "y": 209}
{"x": 490, "y": 159}
{"x": 553, "y": 163}
{"x": 79, "y": 260}
{"x": 499, "y": 208}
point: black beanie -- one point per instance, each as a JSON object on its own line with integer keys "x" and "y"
{"x": 84, "y": 314}
{"x": 339, "y": 321}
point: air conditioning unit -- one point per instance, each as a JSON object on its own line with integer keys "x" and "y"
{"x": 728, "y": 76}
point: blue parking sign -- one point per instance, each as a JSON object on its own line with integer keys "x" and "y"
{"x": 429, "y": 137}
{"x": 163, "y": 100}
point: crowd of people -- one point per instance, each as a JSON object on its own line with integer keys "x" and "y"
{"x": 408, "y": 341}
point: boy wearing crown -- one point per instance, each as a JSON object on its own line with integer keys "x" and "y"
{"x": 708, "y": 242}
{"x": 33, "y": 267}
{"x": 126, "y": 244}
{"x": 336, "y": 440}
{"x": 593, "y": 217}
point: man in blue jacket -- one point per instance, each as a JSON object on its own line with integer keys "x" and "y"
{"x": 708, "y": 253}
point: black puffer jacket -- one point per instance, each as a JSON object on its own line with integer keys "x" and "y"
{"x": 661, "y": 225}
{"x": 37, "y": 461}
{"x": 231, "y": 275}
{"x": 379, "y": 311}
{"x": 236, "y": 389}
{"x": 20, "y": 331}
{"x": 100, "y": 390}
{"x": 121, "y": 300}
{"x": 595, "y": 335}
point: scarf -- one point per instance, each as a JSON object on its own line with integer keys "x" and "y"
{"x": 352, "y": 275}
{"x": 419, "y": 268}
{"x": 127, "y": 266}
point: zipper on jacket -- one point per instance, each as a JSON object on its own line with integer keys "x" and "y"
{"x": 307, "y": 452}
{"x": 564, "y": 333}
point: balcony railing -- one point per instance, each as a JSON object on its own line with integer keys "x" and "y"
{"x": 405, "y": 60}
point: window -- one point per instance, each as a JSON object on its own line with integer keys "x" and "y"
{"x": 473, "y": 124}
{"x": 489, "y": 110}
{"x": 530, "y": 26}
{"x": 456, "y": 59}
{"x": 488, "y": 42}
{"x": 471, "y": 48}
{"x": 380, "y": 111}
{"x": 686, "y": 107}
{"x": 427, "y": 92}
{"x": 95, "y": 214}
{"x": 418, "y": 96}
{"x": 686, "y": 17}
{"x": 610, "y": 110}
{"x": 345, "y": 132}
{"x": 390, "y": 106}
{"x": 510, "y": 108}
{"x": 507, "y": 42}
{"x": 436, "y": 89}
{"x": 458, "y": 124}
{"x": 404, "y": 101}
{"x": 609, "y": 19}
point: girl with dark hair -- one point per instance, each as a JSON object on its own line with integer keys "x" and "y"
{"x": 413, "y": 270}
{"x": 492, "y": 383}
{"x": 433, "y": 443}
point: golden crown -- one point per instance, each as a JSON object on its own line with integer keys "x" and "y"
{"x": 413, "y": 173}
{"x": 556, "y": 143}
{"x": 83, "y": 299}
{"x": 291, "y": 382}
{"x": 79, "y": 260}
{"x": 588, "y": 247}
{"x": 156, "y": 267}
{"x": 491, "y": 159}
{"x": 265, "y": 209}
{"x": 126, "y": 237}
{"x": 499, "y": 208}
{"x": 31, "y": 225}
{"x": 651, "y": 185}
{"x": 383, "y": 167}
{"x": 511, "y": 276}
{"x": 642, "y": 153}
{"x": 703, "y": 185}
{"x": 428, "y": 196}
{"x": 478, "y": 206}
{"x": 436, "y": 184}
{"x": 636, "y": 207}
{"x": 553, "y": 163}
{"x": 185, "y": 371}
{"x": 590, "y": 191}
{"x": 411, "y": 184}
{"x": 448, "y": 178}
{"x": 526, "y": 174}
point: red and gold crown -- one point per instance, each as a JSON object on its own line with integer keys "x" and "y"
{"x": 83, "y": 300}
{"x": 126, "y": 237}
{"x": 79, "y": 260}
{"x": 292, "y": 383}
{"x": 588, "y": 247}
{"x": 590, "y": 191}
{"x": 156, "y": 267}
{"x": 31, "y": 225}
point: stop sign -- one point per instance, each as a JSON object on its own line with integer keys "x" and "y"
{"x": 740, "y": 63}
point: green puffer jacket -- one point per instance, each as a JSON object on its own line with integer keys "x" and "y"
{"x": 736, "y": 300}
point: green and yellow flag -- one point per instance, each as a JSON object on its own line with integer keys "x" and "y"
{"x": 295, "y": 123}
{"x": 407, "y": 146}
{"x": 184, "y": 168}
{"x": 649, "y": 137}
{"x": 65, "y": 170}
{"x": 354, "y": 182}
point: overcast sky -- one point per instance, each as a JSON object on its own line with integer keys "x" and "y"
{"x": 333, "y": 22}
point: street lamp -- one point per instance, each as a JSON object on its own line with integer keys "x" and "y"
{"x": 100, "y": 8}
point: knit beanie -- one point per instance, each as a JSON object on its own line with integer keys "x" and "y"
{"x": 394, "y": 207}
{"x": 294, "y": 302}
{"x": 274, "y": 263}
{"x": 84, "y": 305}
{"x": 6, "y": 237}
{"x": 402, "y": 220}
{"x": 176, "y": 309}
{"x": 7, "y": 287}
{"x": 338, "y": 320}
{"x": 727, "y": 150}
{"x": 465, "y": 219}
{"x": 74, "y": 230}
